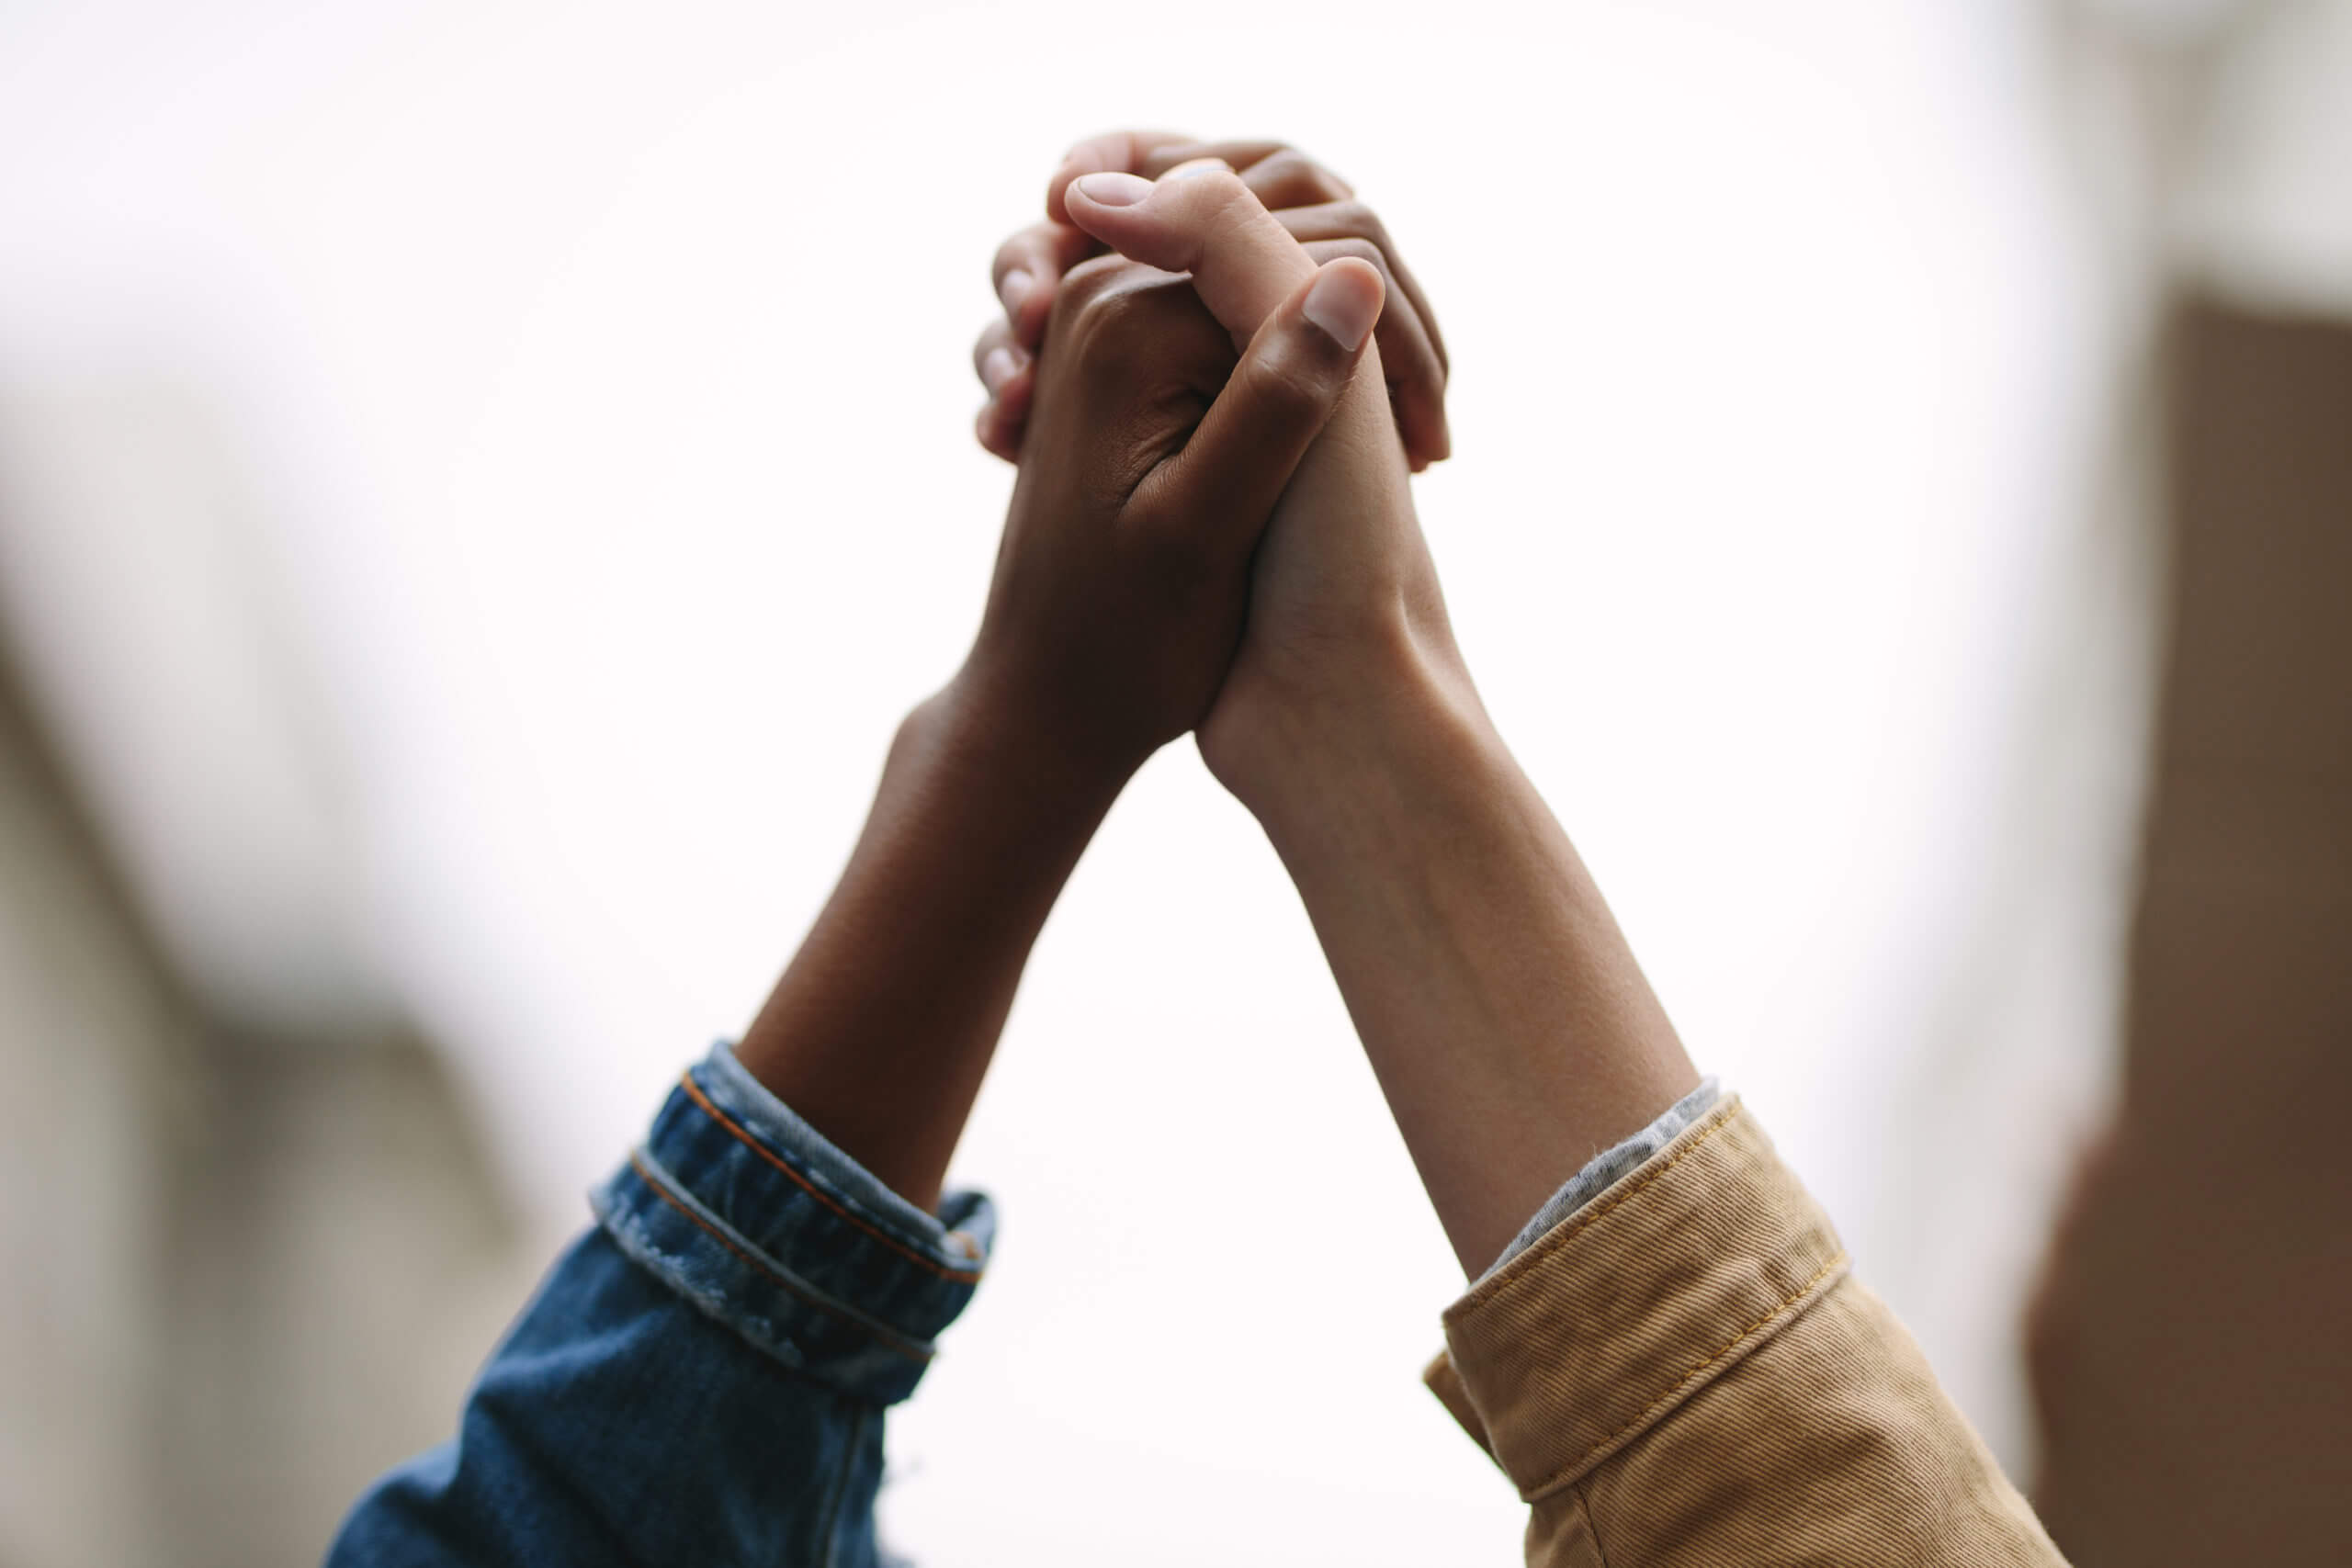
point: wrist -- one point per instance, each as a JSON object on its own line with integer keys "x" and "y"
{"x": 1068, "y": 727}
{"x": 1510, "y": 1029}
{"x": 1397, "y": 705}
{"x": 980, "y": 737}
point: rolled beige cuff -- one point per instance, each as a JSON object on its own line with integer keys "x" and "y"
{"x": 1624, "y": 1310}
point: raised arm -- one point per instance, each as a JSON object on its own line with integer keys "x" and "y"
{"x": 703, "y": 1377}
{"x": 1117, "y": 604}
{"x": 1511, "y": 1031}
{"x": 1668, "y": 1355}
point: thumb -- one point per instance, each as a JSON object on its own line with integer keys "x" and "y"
{"x": 1199, "y": 218}
{"x": 1224, "y": 484}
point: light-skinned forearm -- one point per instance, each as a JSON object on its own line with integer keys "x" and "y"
{"x": 881, "y": 1029}
{"x": 1500, "y": 1007}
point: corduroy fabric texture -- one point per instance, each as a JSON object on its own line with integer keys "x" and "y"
{"x": 1684, "y": 1374}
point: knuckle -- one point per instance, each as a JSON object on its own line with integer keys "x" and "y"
{"x": 1013, "y": 253}
{"x": 1227, "y": 210}
{"x": 1216, "y": 191}
{"x": 1287, "y": 384}
{"x": 1358, "y": 219}
{"x": 1120, "y": 313}
{"x": 1086, "y": 286}
{"x": 1031, "y": 250}
{"x": 1300, "y": 179}
{"x": 1137, "y": 344}
{"x": 1114, "y": 317}
{"x": 986, "y": 346}
{"x": 1370, "y": 254}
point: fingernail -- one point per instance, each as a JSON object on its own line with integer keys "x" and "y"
{"x": 996, "y": 369}
{"x": 1343, "y": 306}
{"x": 1186, "y": 170}
{"x": 1113, "y": 189}
{"x": 1014, "y": 290}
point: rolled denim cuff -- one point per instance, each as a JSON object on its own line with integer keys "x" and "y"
{"x": 746, "y": 1212}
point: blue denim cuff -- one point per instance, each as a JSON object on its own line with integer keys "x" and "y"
{"x": 746, "y": 1212}
{"x": 1607, "y": 1167}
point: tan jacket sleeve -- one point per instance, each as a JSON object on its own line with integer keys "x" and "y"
{"x": 1685, "y": 1373}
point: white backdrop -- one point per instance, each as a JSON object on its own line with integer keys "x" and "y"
{"x": 596, "y": 381}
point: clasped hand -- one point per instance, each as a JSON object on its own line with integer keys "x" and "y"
{"x": 1211, "y": 528}
{"x": 1216, "y": 379}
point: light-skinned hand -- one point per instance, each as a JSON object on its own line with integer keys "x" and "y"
{"x": 1344, "y": 610}
{"x": 1158, "y": 443}
{"x": 1320, "y": 210}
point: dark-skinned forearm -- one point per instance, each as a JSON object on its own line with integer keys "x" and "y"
{"x": 881, "y": 1029}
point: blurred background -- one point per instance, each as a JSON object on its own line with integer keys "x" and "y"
{"x": 480, "y": 483}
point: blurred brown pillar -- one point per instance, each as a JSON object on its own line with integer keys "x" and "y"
{"x": 2192, "y": 1351}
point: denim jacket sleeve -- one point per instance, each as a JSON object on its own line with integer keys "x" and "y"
{"x": 701, "y": 1377}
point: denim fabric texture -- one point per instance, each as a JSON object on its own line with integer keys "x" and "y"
{"x": 701, "y": 1378}
{"x": 1681, "y": 1366}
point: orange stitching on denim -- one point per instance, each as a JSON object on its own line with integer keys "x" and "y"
{"x": 694, "y": 1092}
{"x": 1567, "y": 1474}
{"x": 671, "y": 1198}
{"x": 1567, "y": 1231}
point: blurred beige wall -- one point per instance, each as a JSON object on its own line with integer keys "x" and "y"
{"x": 2189, "y": 1372}
{"x": 243, "y": 1275}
